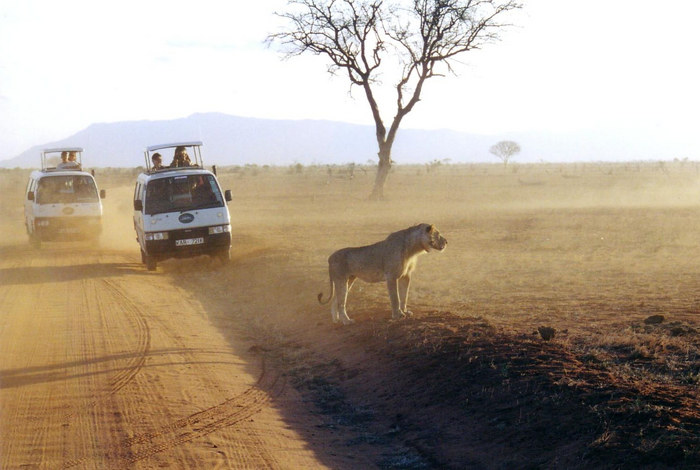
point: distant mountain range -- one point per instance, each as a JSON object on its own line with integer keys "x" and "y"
{"x": 233, "y": 140}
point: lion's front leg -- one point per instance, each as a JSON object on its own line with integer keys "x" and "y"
{"x": 392, "y": 285}
{"x": 404, "y": 283}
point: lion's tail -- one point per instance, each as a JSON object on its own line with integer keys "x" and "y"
{"x": 320, "y": 294}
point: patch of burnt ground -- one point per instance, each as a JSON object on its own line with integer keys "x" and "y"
{"x": 444, "y": 391}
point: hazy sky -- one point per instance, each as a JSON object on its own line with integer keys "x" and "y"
{"x": 620, "y": 65}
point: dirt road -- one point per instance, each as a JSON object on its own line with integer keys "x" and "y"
{"x": 105, "y": 366}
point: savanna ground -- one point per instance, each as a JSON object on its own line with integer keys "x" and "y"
{"x": 604, "y": 254}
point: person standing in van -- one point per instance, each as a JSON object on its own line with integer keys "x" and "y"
{"x": 180, "y": 158}
{"x": 157, "y": 161}
{"x": 72, "y": 161}
{"x": 64, "y": 161}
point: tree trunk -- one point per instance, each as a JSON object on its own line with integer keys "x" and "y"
{"x": 382, "y": 173}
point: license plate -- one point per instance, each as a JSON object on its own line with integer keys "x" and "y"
{"x": 189, "y": 241}
{"x": 68, "y": 230}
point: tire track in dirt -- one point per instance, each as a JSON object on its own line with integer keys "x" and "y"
{"x": 128, "y": 372}
{"x": 228, "y": 413}
{"x": 234, "y": 411}
{"x": 84, "y": 309}
{"x": 142, "y": 334}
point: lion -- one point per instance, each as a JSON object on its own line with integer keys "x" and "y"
{"x": 391, "y": 260}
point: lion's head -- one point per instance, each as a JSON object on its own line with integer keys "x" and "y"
{"x": 431, "y": 238}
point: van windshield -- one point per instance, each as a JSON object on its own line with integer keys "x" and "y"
{"x": 66, "y": 189}
{"x": 182, "y": 193}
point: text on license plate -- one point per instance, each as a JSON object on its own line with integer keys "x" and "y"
{"x": 189, "y": 241}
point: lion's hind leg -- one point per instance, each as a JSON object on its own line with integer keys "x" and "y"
{"x": 392, "y": 285}
{"x": 341, "y": 297}
{"x": 334, "y": 309}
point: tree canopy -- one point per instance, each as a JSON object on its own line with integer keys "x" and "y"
{"x": 505, "y": 150}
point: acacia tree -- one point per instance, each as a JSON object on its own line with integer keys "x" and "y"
{"x": 421, "y": 38}
{"x": 505, "y": 150}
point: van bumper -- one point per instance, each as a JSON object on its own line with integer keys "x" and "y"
{"x": 69, "y": 228}
{"x": 182, "y": 244}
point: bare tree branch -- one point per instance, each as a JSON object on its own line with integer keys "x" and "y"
{"x": 422, "y": 35}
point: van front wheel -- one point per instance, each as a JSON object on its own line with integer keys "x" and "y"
{"x": 149, "y": 261}
{"x": 224, "y": 255}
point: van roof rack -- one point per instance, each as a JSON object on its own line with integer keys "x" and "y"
{"x": 197, "y": 162}
{"x": 46, "y": 152}
{"x": 196, "y": 143}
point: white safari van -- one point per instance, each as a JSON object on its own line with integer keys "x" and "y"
{"x": 179, "y": 210}
{"x": 61, "y": 200}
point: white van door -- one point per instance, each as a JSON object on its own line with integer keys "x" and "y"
{"x": 29, "y": 202}
{"x": 138, "y": 215}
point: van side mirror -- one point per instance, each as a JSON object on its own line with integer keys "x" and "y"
{"x": 138, "y": 205}
{"x": 227, "y": 195}
{"x": 30, "y": 196}
{"x": 103, "y": 193}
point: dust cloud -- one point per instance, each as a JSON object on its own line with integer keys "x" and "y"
{"x": 117, "y": 221}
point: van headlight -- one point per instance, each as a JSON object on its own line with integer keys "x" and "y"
{"x": 150, "y": 236}
{"x": 220, "y": 229}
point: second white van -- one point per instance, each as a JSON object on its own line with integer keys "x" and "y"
{"x": 62, "y": 202}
